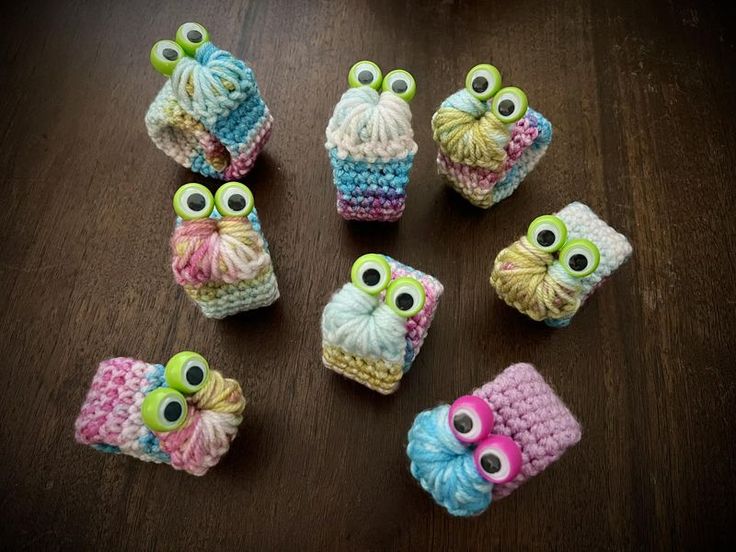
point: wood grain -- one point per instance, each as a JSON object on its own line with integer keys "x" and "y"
{"x": 641, "y": 95}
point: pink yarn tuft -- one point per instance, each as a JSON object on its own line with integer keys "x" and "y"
{"x": 225, "y": 250}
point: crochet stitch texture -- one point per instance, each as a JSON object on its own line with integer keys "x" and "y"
{"x": 481, "y": 158}
{"x": 110, "y": 419}
{"x": 535, "y": 283}
{"x": 525, "y": 408}
{"x": 363, "y": 340}
{"x": 371, "y": 150}
{"x": 224, "y": 264}
{"x": 210, "y": 116}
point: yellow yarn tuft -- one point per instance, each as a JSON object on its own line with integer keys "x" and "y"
{"x": 220, "y": 394}
{"x": 521, "y": 277}
{"x": 469, "y": 140}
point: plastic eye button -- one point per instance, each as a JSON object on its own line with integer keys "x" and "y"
{"x": 470, "y": 419}
{"x": 193, "y": 201}
{"x": 187, "y": 372}
{"x": 234, "y": 199}
{"x": 497, "y": 459}
{"x": 483, "y": 81}
{"x": 165, "y": 55}
{"x": 365, "y": 73}
{"x": 509, "y": 104}
{"x": 547, "y": 233}
{"x": 371, "y": 273}
{"x": 191, "y": 36}
{"x": 164, "y": 409}
{"x": 401, "y": 83}
{"x": 405, "y": 296}
{"x": 580, "y": 257}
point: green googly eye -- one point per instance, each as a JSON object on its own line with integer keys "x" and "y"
{"x": 547, "y": 233}
{"x": 365, "y": 73}
{"x": 187, "y": 372}
{"x": 580, "y": 258}
{"x": 234, "y": 199}
{"x": 405, "y": 296}
{"x": 371, "y": 273}
{"x": 509, "y": 104}
{"x": 483, "y": 81}
{"x": 165, "y": 55}
{"x": 193, "y": 201}
{"x": 164, "y": 409}
{"x": 401, "y": 83}
{"x": 191, "y": 36}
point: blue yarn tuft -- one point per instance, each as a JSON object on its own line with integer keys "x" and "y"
{"x": 444, "y": 467}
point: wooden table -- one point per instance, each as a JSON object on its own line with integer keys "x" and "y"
{"x": 641, "y": 96}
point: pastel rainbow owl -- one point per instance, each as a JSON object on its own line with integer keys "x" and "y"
{"x": 182, "y": 414}
{"x": 549, "y": 273}
{"x": 374, "y": 327}
{"x": 489, "y": 138}
{"x": 371, "y": 145}
{"x": 219, "y": 253}
{"x": 209, "y": 115}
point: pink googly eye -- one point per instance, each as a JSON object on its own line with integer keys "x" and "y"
{"x": 470, "y": 419}
{"x": 497, "y": 459}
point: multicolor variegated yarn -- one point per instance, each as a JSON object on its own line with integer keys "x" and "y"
{"x": 210, "y": 117}
{"x": 223, "y": 263}
{"x": 525, "y": 408}
{"x": 483, "y": 159}
{"x": 371, "y": 148}
{"x": 364, "y": 340}
{"x": 110, "y": 419}
{"x": 535, "y": 283}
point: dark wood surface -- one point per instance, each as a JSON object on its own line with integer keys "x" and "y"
{"x": 641, "y": 96}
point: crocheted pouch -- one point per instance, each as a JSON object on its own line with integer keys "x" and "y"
{"x": 219, "y": 253}
{"x": 184, "y": 414}
{"x": 371, "y": 149}
{"x": 209, "y": 116}
{"x": 374, "y": 327}
{"x": 490, "y": 140}
{"x": 486, "y": 445}
{"x": 549, "y": 273}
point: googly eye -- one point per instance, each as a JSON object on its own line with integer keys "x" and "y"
{"x": 405, "y": 296}
{"x": 164, "y": 409}
{"x": 470, "y": 419}
{"x": 497, "y": 459}
{"x": 401, "y": 83}
{"x": 547, "y": 233}
{"x": 483, "y": 81}
{"x": 187, "y": 372}
{"x": 191, "y": 36}
{"x": 165, "y": 55}
{"x": 371, "y": 273}
{"x": 509, "y": 104}
{"x": 234, "y": 199}
{"x": 365, "y": 73}
{"x": 580, "y": 258}
{"x": 193, "y": 201}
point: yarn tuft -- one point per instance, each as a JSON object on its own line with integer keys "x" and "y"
{"x": 469, "y": 133}
{"x": 529, "y": 280}
{"x": 444, "y": 466}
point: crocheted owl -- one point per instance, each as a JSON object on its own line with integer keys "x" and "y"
{"x": 485, "y": 445}
{"x": 371, "y": 143}
{"x": 488, "y": 137}
{"x": 209, "y": 115}
{"x": 373, "y": 328}
{"x": 182, "y": 414}
{"x": 219, "y": 253}
{"x": 549, "y": 273}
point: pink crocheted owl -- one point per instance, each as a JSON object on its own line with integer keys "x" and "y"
{"x": 182, "y": 414}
